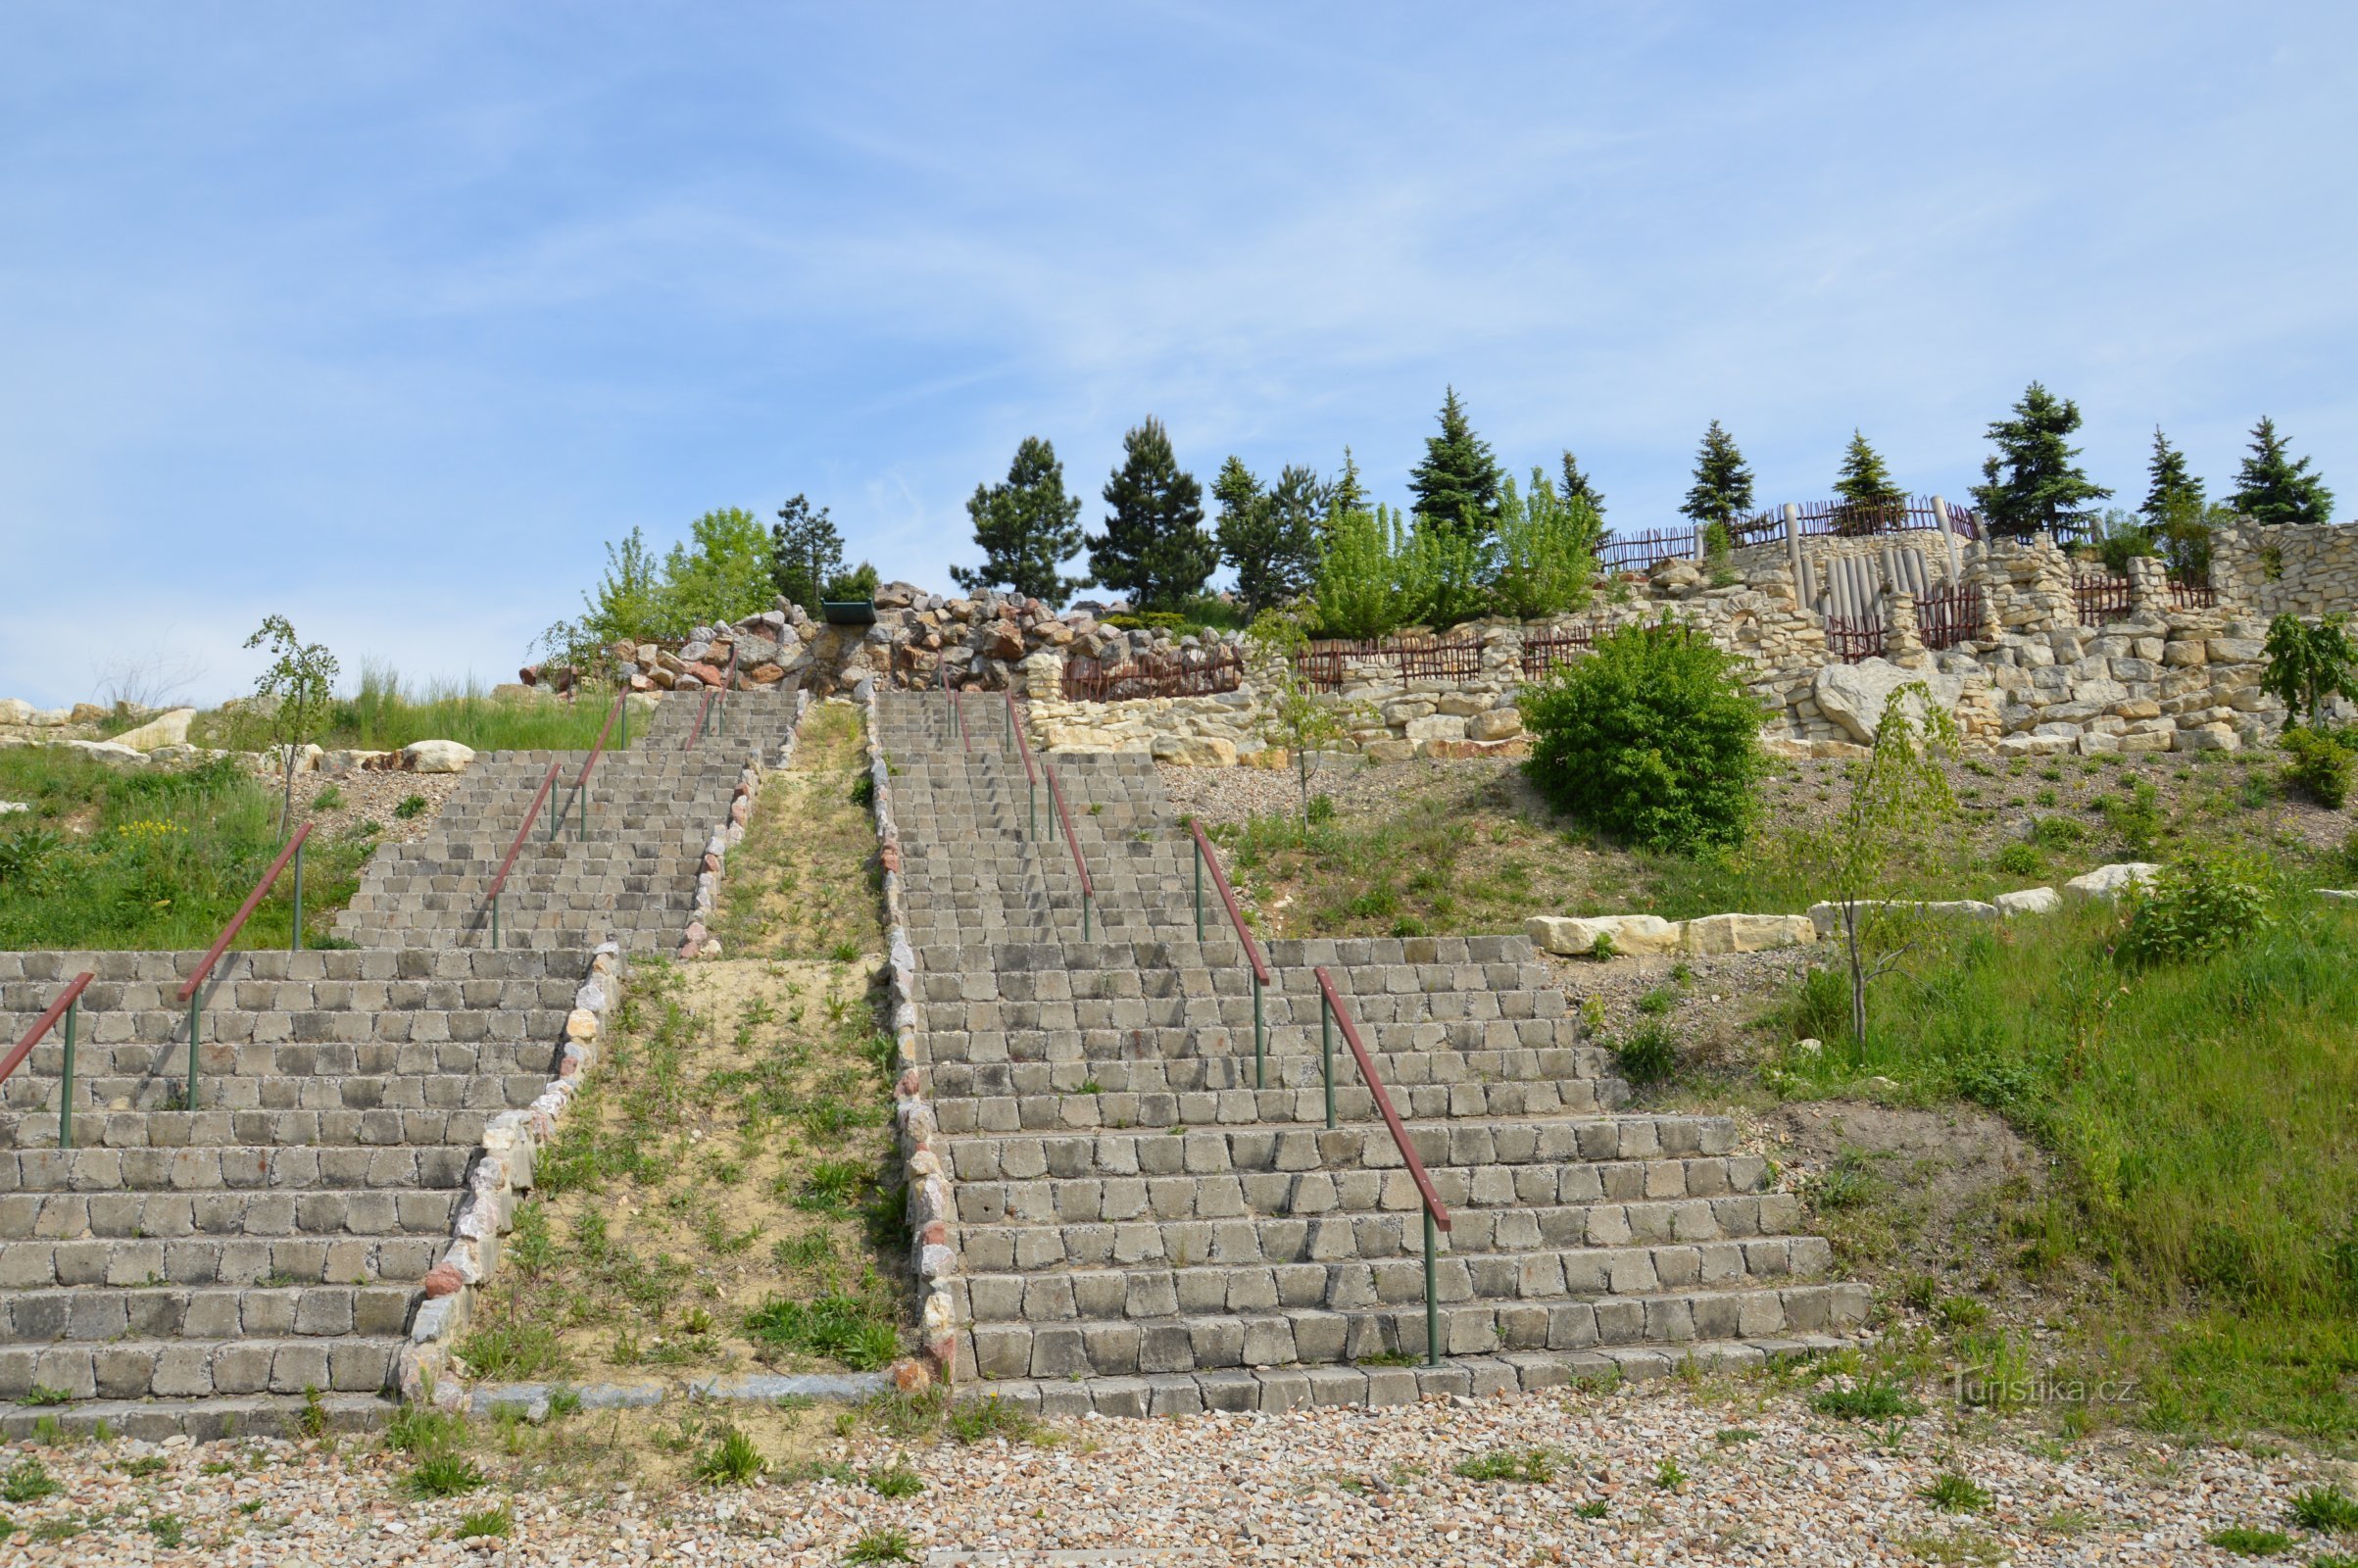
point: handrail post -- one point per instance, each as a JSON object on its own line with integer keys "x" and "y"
{"x": 1326, "y": 1052}
{"x": 65, "y": 1098}
{"x": 1260, "y": 1039}
{"x": 1432, "y": 1307}
{"x": 1031, "y": 806}
{"x": 298, "y": 942}
{"x": 1083, "y": 914}
{"x": 1199, "y": 892}
{"x": 1006, "y": 728}
{"x": 495, "y": 922}
{"x": 195, "y": 1000}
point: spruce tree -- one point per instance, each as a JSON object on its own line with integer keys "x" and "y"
{"x": 1870, "y": 498}
{"x": 2272, "y": 488}
{"x": 804, "y": 553}
{"x": 2032, "y": 482}
{"x": 2170, "y": 485}
{"x": 1270, "y": 536}
{"x": 1027, "y": 526}
{"x": 1457, "y": 486}
{"x": 1578, "y": 487}
{"x": 1723, "y": 485}
{"x": 1345, "y": 493}
{"x": 1153, "y": 548}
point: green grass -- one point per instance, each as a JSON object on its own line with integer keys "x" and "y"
{"x": 1872, "y": 1401}
{"x": 2247, "y": 1541}
{"x": 1535, "y": 1466}
{"x": 1952, "y": 1492}
{"x": 383, "y": 714}
{"x": 444, "y": 1475}
{"x": 2208, "y": 1162}
{"x": 731, "y": 1461}
{"x": 2327, "y": 1508}
{"x": 28, "y": 1480}
{"x": 487, "y": 1524}
{"x": 153, "y": 858}
{"x": 882, "y": 1545}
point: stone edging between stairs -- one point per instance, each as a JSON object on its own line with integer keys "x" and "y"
{"x": 932, "y": 1256}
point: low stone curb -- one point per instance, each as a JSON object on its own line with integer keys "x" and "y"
{"x": 532, "y": 1400}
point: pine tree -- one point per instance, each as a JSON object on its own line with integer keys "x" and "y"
{"x": 1027, "y": 526}
{"x": 1723, "y": 485}
{"x": 1870, "y": 498}
{"x": 1345, "y": 493}
{"x": 1270, "y": 536}
{"x": 2271, "y": 488}
{"x": 2171, "y": 486}
{"x": 1154, "y": 547}
{"x": 1578, "y": 487}
{"x": 2031, "y": 482}
{"x": 804, "y": 553}
{"x": 1457, "y": 486}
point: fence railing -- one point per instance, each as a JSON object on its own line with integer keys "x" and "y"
{"x": 1856, "y": 519}
{"x": 2099, "y": 596}
{"x": 1642, "y": 549}
{"x": 1324, "y": 665}
{"x": 2192, "y": 595}
{"x": 194, "y": 991}
{"x": 1080, "y": 866}
{"x": 1192, "y": 672}
{"x": 1205, "y": 856}
{"x": 499, "y": 878}
{"x": 1545, "y": 652}
{"x": 1333, "y": 1014}
{"x": 1854, "y": 640}
{"x": 66, "y": 1006}
{"x": 1948, "y": 617}
{"x": 578, "y": 804}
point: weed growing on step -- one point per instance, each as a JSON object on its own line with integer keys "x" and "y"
{"x": 882, "y": 1545}
{"x": 1534, "y": 1466}
{"x": 444, "y": 1473}
{"x": 731, "y": 1461}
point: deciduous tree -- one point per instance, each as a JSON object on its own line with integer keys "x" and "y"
{"x": 294, "y": 690}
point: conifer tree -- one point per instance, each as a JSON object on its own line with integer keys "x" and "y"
{"x": 1270, "y": 536}
{"x": 1456, "y": 485}
{"x": 1345, "y": 493}
{"x": 2269, "y": 487}
{"x": 2032, "y": 482}
{"x": 1027, "y": 526}
{"x": 1153, "y": 548}
{"x": 804, "y": 553}
{"x": 1578, "y": 487}
{"x": 1723, "y": 485}
{"x": 1870, "y": 498}
{"x": 2170, "y": 486}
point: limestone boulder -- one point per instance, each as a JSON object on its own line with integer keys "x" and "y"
{"x": 436, "y": 756}
{"x": 1572, "y": 936}
{"x": 165, "y": 729}
{"x": 15, "y": 710}
{"x": 105, "y": 750}
{"x": 1854, "y": 696}
{"x": 1826, "y": 916}
{"x": 1389, "y": 750}
{"x": 1748, "y": 933}
{"x": 1195, "y": 751}
{"x": 2107, "y": 884}
{"x": 2030, "y": 901}
{"x": 1499, "y": 725}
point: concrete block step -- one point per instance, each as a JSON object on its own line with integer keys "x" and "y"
{"x": 383, "y": 1127}
{"x": 1225, "y": 1063}
{"x": 122, "y": 1171}
{"x": 165, "y": 1090}
{"x": 129, "y": 1261}
{"x": 222, "y": 1312}
{"x": 191, "y": 1368}
{"x": 253, "y": 1415}
{"x": 236, "y": 1212}
{"x": 1300, "y": 1107}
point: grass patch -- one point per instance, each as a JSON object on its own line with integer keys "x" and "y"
{"x": 1534, "y": 1466}
{"x": 882, "y": 1545}
{"x": 444, "y": 1473}
{"x": 384, "y": 714}
{"x": 28, "y": 1480}
{"x": 2245, "y": 1541}
{"x": 2325, "y": 1508}
{"x": 972, "y": 1421}
{"x": 1952, "y": 1492}
{"x": 487, "y": 1524}
{"x": 1874, "y": 1399}
{"x": 731, "y": 1461}
{"x": 801, "y": 885}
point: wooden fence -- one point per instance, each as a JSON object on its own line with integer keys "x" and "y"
{"x": 1192, "y": 673}
{"x": 1324, "y": 665}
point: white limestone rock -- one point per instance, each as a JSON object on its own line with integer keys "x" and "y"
{"x": 436, "y": 756}
{"x": 2108, "y": 883}
{"x": 1748, "y": 933}
{"x": 2030, "y": 901}
{"x": 1853, "y": 695}
{"x": 1628, "y": 933}
{"x": 165, "y": 729}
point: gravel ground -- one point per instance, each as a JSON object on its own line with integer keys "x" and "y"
{"x": 1765, "y": 1481}
{"x": 371, "y": 796}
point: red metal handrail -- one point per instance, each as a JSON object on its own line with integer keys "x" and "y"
{"x": 1056, "y": 795}
{"x": 499, "y": 878}
{"x": 1253, "y": 950}
{"x": 1436, "y": 1216}
{"x": 245, "y": 912}
{"x": 581, "y": 779}
{"x": 720, "y": 691}
{"x": 62, "y": 1007}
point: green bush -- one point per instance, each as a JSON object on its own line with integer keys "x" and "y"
{"x": 2206, "y": 902}
{"x": 1653, "y": 738}
{"x": 2321, "y": 767}
{"x": 1546, "y": 551}
{"x": 2019, "y": 860}
{"x": 1367, "y": 584}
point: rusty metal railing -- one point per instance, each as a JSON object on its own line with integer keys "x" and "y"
{"x": 1205, "y": 856}
{"x": 1056, "y": 795}
{"x": 712, "y": 694}
{"x": 191, "y": 990}
{"x": 66, "y": 1006}
{"x": 1333, "y": 1014}
{"x": 499, "y": 879}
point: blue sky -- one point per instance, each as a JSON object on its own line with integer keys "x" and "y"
{"x": 386, "y": 318}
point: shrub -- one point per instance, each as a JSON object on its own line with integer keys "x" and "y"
{"x": 1872, "y": 1401}
{"x": 1366, "y": 583}
{"x": 2019, "y": 860}
{"x": 2307, "y": 664}
{"x": 2204, "y": 904}
{"x": 1647, "y": 1056}
{"x": 1653, "y": 738}
{"x": 2321, "y": 765}
{"x": 1546, "y": 551}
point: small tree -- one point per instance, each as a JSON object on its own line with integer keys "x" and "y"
{"x": 1270, "y": 536}
{"x": 1869, "y": 495}
{"x": 805, "y": 551}
{"x": 1456, "y": 485}
{"x": 1653, "y": 738}
{"x": 2271, "y": 487}
{"x": 1298, "y": 716}
{"x": 725, "y": 576}
{"x": 1546, "y": 551}
{"x": 295, "y": 691}
{"x": 2307, "y": 664}
{"x": 1578, "y": 487}
{"x": 2169, "y": 484}
{"x": 1344, "y": 492}
{"x": 1367, "y": 583}
{"x": 1154, "y": 547}
{"x": 1723, "y": 485}
{"x": 1027, "y": 527}
{"x": 1897, "y": 795}
{"x": 627, "y": 605}
{"x": 2031, "y": 481}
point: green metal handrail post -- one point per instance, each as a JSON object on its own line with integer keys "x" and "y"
{"x": 581, "y": 816}
{"x": 1260, "y": 1040}
{"x": 1432, "y": 1307}
{"x": 1031, "y": 808}
{"x": 298, "y": 942}
{"x": 495, "y": 921}
{"x": 194, "y": 1003}
{"x": 1006, "y": 728}
{"x": 1326, "y": 1054}
{"x": 1199, "y": 892}
{"x": 64, "y": 1101}
{"x": 625, "y": 718}
{"x": 1084, "y": 917}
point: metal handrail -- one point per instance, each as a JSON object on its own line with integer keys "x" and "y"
{"x": 1024, "y": 749}
{"x": 499, "y": 878}
{"x": 66, "y": 1006}
{"x": 1056, "y": 795}
{"x": 1331, "y": 1013}
{"x": 1253, "y": 950}
{"x": 721, "y": 692}
{"x": 188, "y": 991}
{"x": 581, "y": 795}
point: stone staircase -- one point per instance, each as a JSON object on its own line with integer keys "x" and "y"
{"x": 1142, "y": 1230}
{"x": 209, "y": 1269}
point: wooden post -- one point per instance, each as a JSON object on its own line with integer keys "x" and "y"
{"x": 1792, "y": 548}
{"x": 1948, "y": 539}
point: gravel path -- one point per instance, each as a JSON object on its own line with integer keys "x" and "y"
{"x": 1767, "y": 1482}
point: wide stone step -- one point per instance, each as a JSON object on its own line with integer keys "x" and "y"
{"x": 129, "y": 1261}
{"x": 225, "y": 1312}
{"x": 382, "y": 1127}
{"x": 165, "y": 1090}
{"x": 1300, "y": 1107}
{"x": 188, "y": 1368}
{"x": 1307, "y": 1336}
{"x": 1312, "y": 1238}
{"x": 242, "y": 1167}
{"x": 231, "y": 1212}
